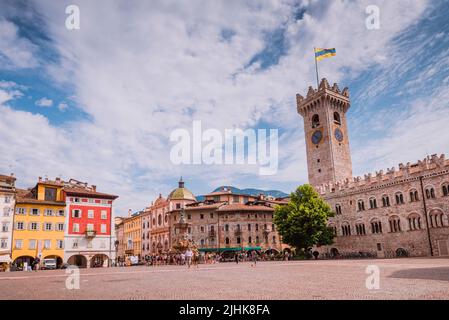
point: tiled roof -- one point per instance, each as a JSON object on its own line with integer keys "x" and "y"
{"x": 86, "y": 192}
{"x": 243, "y": 207}
{"x": 25, "y": 196}
{"x": 202, "y": 206}
{"x": 5, "y": 177}
{"x": 228, "y": 192}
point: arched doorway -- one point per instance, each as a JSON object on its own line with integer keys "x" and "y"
{"x": 334, "y": 252}
{"x": 99, "y": 261}
{"x": 78, "y": 260}
{"x": 19, "y": 262}
{"x": 57, "y": 258}
{"x": 401, "y": 253}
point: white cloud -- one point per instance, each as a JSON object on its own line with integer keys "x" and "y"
{"x": 44, "y": 102}
{"x": 15, "y": 51}
{"x": 165, "y": 64}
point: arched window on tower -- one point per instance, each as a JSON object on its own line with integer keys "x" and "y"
{"x": 376, "y": 226}
{"x": 395, "y": 224}
{"x": 361, "y": 205}
{"x": 414, "y": 196}
{"x": 372, "y": 203}
{"x": 414, "y": 221}
{"x": 430, "y": 193}
{"x": 337, "y": 118}
{"x": 346, "y": 229}
{"x": 399, "y": 198}
{"x": 436, "y": 219}
{"x": 445, "y": 190}
{"x": 315, "y": 121}
{"x": 360, "y": 229}
{"x": 338, "y": 209}
{"x": 385, "y": 200}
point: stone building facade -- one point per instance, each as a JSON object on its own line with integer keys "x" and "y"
{"x": 226, "y": 221}
{"x": 391, "y": 213}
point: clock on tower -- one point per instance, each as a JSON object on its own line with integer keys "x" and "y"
{"x": 327, "y": 141}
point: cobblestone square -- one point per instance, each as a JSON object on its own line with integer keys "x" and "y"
{"x": 336, "y": 279}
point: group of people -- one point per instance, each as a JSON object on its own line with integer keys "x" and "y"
{"x": 248, "y": 256}
{"x": 191, "y": 256}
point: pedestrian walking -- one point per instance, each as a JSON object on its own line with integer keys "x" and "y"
{"x": 253, "y": 258}
{"x": 189, "y": 255}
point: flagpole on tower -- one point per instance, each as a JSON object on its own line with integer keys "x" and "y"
{"x": 316, "y": 68}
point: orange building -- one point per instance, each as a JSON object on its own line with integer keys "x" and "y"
{"x": 132, "y": 234}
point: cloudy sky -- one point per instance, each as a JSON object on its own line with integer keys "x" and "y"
{"x": 98, "y": 104}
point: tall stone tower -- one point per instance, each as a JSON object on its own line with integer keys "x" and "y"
{"x": 326, "y": 133}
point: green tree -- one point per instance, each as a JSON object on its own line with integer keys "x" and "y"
{"x": 302, "y": 223}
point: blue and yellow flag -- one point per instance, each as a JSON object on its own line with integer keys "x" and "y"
{"x": 321, "y": 53}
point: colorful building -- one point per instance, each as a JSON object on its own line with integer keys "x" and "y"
{"x": 120, "y": 239}
{"x": 39, "y": 223}
{"x": 90, "y": 240}
{"x": 132, "y": 234}
{"x": 7, "y": 202}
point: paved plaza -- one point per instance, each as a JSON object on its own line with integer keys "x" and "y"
{"x": 339, "y": 279}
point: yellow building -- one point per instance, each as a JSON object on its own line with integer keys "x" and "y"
{"x": 39, "y": 223}
{"x": 132, "y": 232}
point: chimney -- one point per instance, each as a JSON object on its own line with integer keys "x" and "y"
{"x": 130, "y": 212}
{"x": 94, "y": 188}
{"x": 40, "y": 179}
{"x": 58, "y": 180}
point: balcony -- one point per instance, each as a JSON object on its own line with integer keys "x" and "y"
{"x": 266, "y": 231}
{"x": 90, "y": 233}
{"x": 212, "y": 234}
{"x": 238, "y": 232}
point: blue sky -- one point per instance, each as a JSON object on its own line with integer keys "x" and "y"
{"x": 114, "y": 90}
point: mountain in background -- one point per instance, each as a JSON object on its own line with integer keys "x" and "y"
{"x": 249, "y": 191}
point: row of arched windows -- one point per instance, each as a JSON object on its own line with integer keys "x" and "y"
{"x": 436, "y": 220}
{"x": 398, "y": 197}
{"x": 250, "y": 240}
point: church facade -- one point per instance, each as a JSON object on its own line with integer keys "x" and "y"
{"x": 397, "y": 212}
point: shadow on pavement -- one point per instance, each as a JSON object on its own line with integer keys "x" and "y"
{"x": 440, "y": 273}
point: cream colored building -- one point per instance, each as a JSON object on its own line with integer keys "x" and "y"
{"x": 7, "y": 203}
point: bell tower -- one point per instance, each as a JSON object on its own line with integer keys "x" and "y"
{"x": 326, "y": 133}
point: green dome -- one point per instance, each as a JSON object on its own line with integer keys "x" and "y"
{"x": 181, "y": 193}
